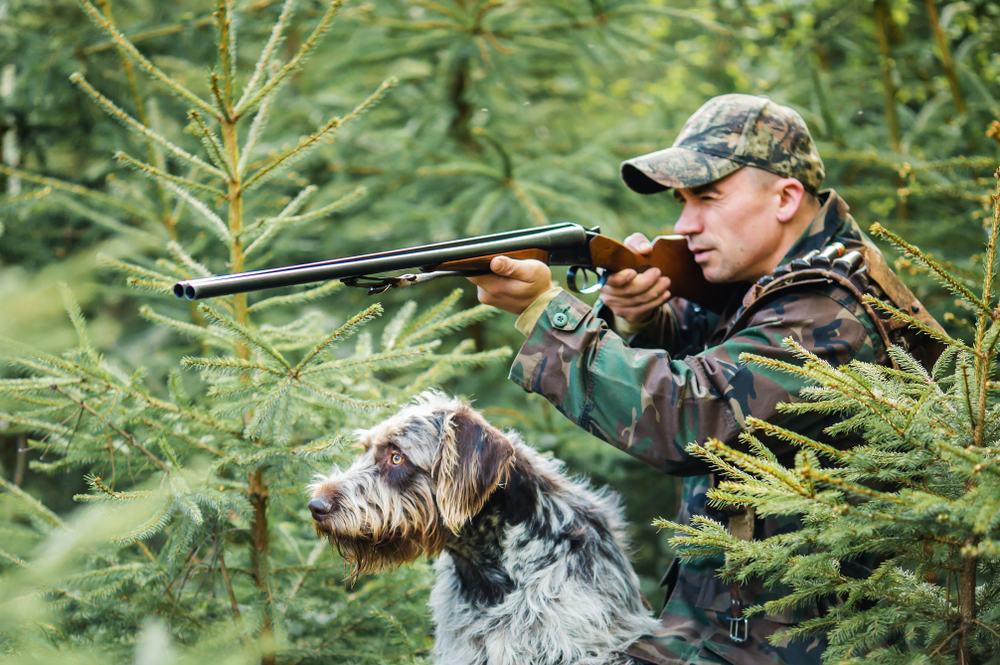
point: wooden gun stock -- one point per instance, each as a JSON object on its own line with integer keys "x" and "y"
{"x": 670, "y": 254}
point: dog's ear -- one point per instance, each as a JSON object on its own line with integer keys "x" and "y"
{"x": 474, "y": 458}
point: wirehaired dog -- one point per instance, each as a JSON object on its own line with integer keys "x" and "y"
{"x": 531, "y": 564}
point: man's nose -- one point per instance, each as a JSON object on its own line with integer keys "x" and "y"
{"x": 320, "y": 508}
{"x": 689, "y": 222}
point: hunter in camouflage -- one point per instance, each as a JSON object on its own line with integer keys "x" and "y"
{"x": 666, "y": 372}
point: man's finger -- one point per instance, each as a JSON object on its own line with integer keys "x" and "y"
{"x": 527, "y": 270}
{"x": 637, "y": 284}
{"x": 621, "y": 278}
{"x": 637, "y": 242}
{"x": 653, "y": 296}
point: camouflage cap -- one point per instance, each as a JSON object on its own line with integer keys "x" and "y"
{"x": 726, "y": 134}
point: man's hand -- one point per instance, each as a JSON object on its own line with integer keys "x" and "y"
{"x": 514, "y": 284}
{"x": 635, "y": 296}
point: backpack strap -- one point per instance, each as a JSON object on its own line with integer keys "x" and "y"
{"x": 861, "y": 270}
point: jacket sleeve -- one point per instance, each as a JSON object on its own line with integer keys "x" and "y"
{"x": 679, "y": 327}
{"x": 651, "y": 405}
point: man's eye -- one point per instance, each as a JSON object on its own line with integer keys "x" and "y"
{"x": 396, "y": 459}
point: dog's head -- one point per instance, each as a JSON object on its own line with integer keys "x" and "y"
{"x": 423, "y": 474}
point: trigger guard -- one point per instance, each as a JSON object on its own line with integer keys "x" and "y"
{"x": 602, "y": 278}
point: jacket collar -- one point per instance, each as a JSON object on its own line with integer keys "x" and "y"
{"x": 832, "y": 223}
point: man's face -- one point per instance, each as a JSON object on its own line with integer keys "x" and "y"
{"x": 732, "y": 227}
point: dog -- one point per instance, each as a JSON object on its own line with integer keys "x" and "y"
{"x": 531, "y": 564}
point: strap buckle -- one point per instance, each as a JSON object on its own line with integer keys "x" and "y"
{"x": 739, "y": 626}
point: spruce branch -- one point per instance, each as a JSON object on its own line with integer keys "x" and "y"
{"x": 13, "y": 559}
{"x": 36, "y": 507}
{"x": 452, "y": 323}
{"x": 297, "y": 60}
{"x": 220, "y": 102}
{"x": 753, "y": 464}
{"x": 271, "y": 412}
{"x": 990, "y": 264}
{"x": 346, "y": 330}
{"x": 275, "y": 224}
{"x": 131, "y": 123}
{"x": 151, "y": 69}
{"x": 213, "y": 146}
{"x": 935, "y": 266}
{"x": 268, "y": 170}
{"x": 140, "y": 272}
{"x": 266, "y": 55}
{"x": 227, "y": 50}
{"x": 142, "y": 237}
{"x": 256, "y": 128}
{"x": 917, "y": 323}
{"x": 395, "y": 326}
{"x": 154, "y": 152}
{"x": 794, "y": 437}
{"x": 214, "y": 222}
{"x": 201, "y": 333}
{"x": 272, "y": 225}
{"x": 155, "y": 523}
{"x": 248, "y": 335}
{"x": 79, "y": 322}
{"x": 61, "y": 185}
{"x": 155, "y": 174}
{"x": 106, "y": 493}
{"x": 378, "y": 361}
{"x": 125, "y": 435}
{"x": 196, "y": 267}
{"x": 229, "y": 365}
{"x": 372, "y": 100}
{"x": 340, "y": 399}
{"x": 165, "y": 432}
{"x": 433, "y": 314}
{"x": 299, "y": 298}
{"x": 359, "y": 192}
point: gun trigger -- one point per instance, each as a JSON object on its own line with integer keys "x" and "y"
{"x": 601, "y": 274}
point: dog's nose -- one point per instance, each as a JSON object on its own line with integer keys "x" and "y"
{"x": 319, "y": 507}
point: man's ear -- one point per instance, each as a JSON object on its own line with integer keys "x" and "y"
{"x": 474, "y": 458}
{"x": 792, "y": 194}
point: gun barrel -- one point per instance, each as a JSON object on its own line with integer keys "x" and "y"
{"x": 551, "y": 238}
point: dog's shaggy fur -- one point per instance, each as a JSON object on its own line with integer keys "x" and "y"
{"x": 531, "y": 564}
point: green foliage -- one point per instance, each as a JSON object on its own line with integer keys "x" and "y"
{"x": 917, "y": 499}
{"x": 195, "y": 488}
{"x": 502, "y": 115}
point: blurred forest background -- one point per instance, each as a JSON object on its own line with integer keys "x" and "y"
{"x": 153, "y": 454}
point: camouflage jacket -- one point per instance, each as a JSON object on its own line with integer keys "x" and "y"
{"x": 680, "y": 380}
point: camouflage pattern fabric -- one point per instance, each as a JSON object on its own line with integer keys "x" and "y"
{"x": 680, "y": 380}
{"x": 725, "y": 134}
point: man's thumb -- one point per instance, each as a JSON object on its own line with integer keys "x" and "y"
{"x": 503, "y": 266}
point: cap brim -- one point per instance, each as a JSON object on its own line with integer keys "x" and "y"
{"x": 674, "y": 167}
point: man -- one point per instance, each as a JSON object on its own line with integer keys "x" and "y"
{"x": 649, "y": 374}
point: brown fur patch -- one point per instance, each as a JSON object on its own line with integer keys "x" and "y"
{"x": 475, "y": 458}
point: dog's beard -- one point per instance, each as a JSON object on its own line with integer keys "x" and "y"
{"x": 367, "y": 555}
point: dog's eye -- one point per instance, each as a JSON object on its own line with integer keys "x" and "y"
{"x": 396, "y": 459}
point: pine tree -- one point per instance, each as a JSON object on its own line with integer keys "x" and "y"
{"x": 919, "y": 493}
{"x": 196, "y": 487}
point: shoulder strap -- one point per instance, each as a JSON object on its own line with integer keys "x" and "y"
{"x": 861, "y": 270}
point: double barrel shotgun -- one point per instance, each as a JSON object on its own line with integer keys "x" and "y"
{"x": 588, "y": 254}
